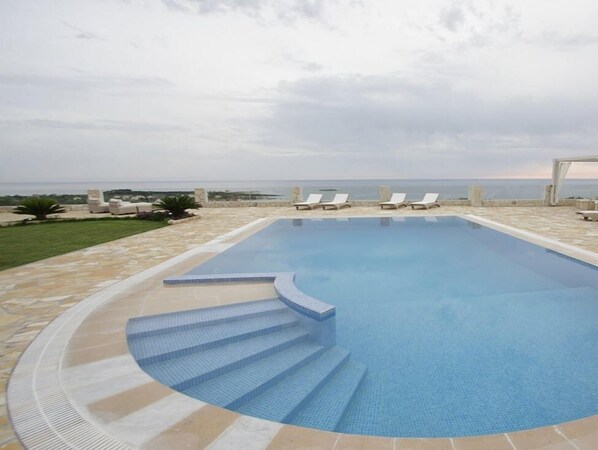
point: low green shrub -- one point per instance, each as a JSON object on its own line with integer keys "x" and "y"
{"x": 153, "y": 216}
{"x": 40, "y": 207}
{"x": 177, "y": 205}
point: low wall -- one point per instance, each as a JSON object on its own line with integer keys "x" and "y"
{"x": 282, "y": 203}
{"x": 523, "y": 202}
{"x": 456, "y": 202}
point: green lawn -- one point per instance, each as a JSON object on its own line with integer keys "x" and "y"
{"x": 24, "y": 244}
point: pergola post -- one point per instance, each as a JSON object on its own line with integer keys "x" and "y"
{"x": 560, "y": 167}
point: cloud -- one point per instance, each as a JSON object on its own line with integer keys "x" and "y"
{"x": 290, "y": 58}
{"x": 283, "y": 10}
{"x": 100, "y": 125}
{"x": 452, "y": 17}
{"x": 476, "y": 26}
{"x": 175, "y": 5}
{"x": 83, "y": 81}
{"x": 325, "y": 88}
{"x": 379, "y": 114}
{"x": 565, "y": 41}
{"x": 433, "y": 105}
{"x": 82, "y": 34}
{"x": 312, "y": 67}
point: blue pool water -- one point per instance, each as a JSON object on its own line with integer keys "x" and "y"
{"x": 464, "y": 330}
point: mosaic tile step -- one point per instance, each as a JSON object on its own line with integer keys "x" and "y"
{"x": 183, "y": 372}
{"x": 326, "y": 410}
{"x": 285, "y": 399}
{"x": 164, "y": 323}
{"x": 148, "y": 349}
{"x": 240, "y": 386}
{"x": 260, "y": 362}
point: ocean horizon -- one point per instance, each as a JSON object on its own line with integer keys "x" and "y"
{"x": 495, "y": 188}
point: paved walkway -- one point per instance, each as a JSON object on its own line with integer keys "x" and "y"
{"x": 32, "y": 295}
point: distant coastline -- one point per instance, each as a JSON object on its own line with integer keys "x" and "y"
{"x": 358, "y": 189}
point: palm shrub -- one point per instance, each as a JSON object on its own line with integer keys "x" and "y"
{"x": 176, "y": 205}
{"x": 39, "y": 207}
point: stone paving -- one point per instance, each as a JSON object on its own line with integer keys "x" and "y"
{"x": 33, "y": 294}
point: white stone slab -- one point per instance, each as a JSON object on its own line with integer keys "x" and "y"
{"x": 147, "y": 423}
{"x": 107, "y": 388}
{"x": 248, "y": 433}
{"x": 99, "y": 371}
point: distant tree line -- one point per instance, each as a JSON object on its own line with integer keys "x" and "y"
{"x": 239, "y": 195}
{"x": 63, "y": 199}
{"x": 131, "y": 195}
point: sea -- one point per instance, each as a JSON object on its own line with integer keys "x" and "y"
{"x": 494, "y": 189}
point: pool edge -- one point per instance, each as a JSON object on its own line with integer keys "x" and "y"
{"x": 556, "y": 434}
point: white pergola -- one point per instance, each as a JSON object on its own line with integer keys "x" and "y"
{"x": 560, "y": 167}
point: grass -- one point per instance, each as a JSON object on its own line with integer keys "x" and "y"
{"x": 24, "y": 244}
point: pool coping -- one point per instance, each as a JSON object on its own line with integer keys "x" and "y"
{"x": 284, "y": 283}
{"x": 559, "y": 247}
{"x": 41, "y": 410}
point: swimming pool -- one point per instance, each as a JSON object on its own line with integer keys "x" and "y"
{"x": 464, "y": 330}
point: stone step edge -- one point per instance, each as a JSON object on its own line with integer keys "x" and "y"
{"x": 186, "y": 384}
{"x": 226, "y": 340}
{"x": 136, "y": 321}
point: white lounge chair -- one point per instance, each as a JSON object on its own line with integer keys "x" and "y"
{"x": 96, "y": 205}
{"x": 428, "y": 201}
{"x": 337, "y": 202}
{"x": 117, "y": 207}
{"x": 396, "y": 200}
{"x": 313, "y": 200}
{"x": 591, "y": 215}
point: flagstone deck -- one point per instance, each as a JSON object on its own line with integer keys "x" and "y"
{"x": 34, "y": 294}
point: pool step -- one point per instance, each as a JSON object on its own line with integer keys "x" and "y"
{"x": 182, "y": 320}
{"x": 253, "y": 358}
{"x": 326, "y": 410}
{"x": 284, "y": 400}
{"x": 235, "y": 388}
{"x": 148, "y": 349}
{"x": 185, "y": 371}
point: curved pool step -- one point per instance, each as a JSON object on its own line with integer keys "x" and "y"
{"x": 183, "y": 372}
{"x": 148, "y": 349}
{"x": 181, "y": 320}
{"x": 253, "y": 358}
{"x": 233, "y": 389}
{"x": 327, "y": 408}
{"x": 283, "y": 401}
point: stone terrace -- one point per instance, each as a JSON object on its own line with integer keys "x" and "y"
{"x": 34, "y": 294}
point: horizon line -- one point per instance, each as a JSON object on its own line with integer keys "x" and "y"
{"x": 287, "y": 180}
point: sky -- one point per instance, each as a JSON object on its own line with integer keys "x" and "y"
{"x": 140, "y": 90}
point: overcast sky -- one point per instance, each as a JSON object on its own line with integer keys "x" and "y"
{"x": 263, "y": 89}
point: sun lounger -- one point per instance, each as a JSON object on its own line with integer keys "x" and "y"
{"x": 96, "y": 205}
{"x": 428, "y": 201}
{"x": 337, "y": 202}
{"x": 313, "y": 200}
{"x": 396, "y": 200}
{"x": 591, "y": 215}
{"x": 117, "y": 207}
